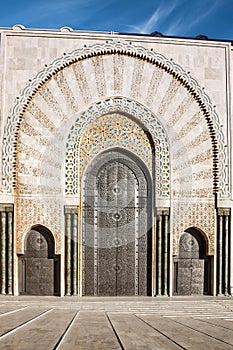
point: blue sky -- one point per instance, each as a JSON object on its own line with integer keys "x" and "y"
{"x": 213, "y": 18}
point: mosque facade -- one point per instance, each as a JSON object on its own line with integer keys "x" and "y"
{"x": 115, "y": 165}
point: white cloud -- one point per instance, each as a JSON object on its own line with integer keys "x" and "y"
{"x": 205, "y": 13}
{"x": 158, "y": 16}
{"x": 196, "y": 15}
{"x": 151, "y": 22}
{"x": 176, "y": 17}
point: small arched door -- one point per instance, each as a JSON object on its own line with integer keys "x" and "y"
{"x": 116, "y": 228}
{"x": 39, "y": 267}
{"x": 192, "y": 268}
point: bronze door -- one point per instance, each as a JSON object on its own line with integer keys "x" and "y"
{"x": 39, "y": 267}
{"x": 192, "y": 265}
{"x": 116, "y": 230}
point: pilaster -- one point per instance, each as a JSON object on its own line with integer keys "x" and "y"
{"x": 71, "y": 249}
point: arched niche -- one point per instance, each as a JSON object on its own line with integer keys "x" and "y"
{"x": 192, "y": 266}
{"x": 39, "y": 267}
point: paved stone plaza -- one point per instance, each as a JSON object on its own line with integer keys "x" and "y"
{"x": 116, "y": 323}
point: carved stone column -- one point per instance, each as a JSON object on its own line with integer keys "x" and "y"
{"x": 3, "y": 252}
{"x": 10, "y": 251}
{"x": 6, "y": 248}
{"x": 219, "y": 250}
{"x": 67, "y": 253}
{"x": 166, "y": 250}
{"x": 159, "y": 253}
{"x": 75, "y": 251}
{"x": 227, "y": 238}
{"x": 71, "y": 249}
{"x": 162, "y": 251}
{"x": 223, "y": 258}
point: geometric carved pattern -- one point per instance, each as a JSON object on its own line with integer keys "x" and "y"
{"x": 34, "y": 211}
{"x": 219, "y": 153}
{"x": 114, "y": 130}
{"x": 198, "y": 215}
{"x": 93, "y": 132}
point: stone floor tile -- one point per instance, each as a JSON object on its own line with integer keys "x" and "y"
{"x": 186, "y": 337}
{"x": 42, "y": 333}
{"x": 4, "y": 309}
{"x": 90, "y": 330}
{"x": 218, "y": 333}
{"x": 134, "y": 334}
{"x": 220, "y": 322}
{"x": 13, "y": 320}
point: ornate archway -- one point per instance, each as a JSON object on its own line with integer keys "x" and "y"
{"x": 111, "y": 48}
{"x": 66, "y": 93}
{"x": 63, "y": 98}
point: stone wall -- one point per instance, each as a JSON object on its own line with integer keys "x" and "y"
{"x": 67, "y": 96}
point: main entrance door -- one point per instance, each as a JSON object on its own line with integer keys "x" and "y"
{"x": 116, "y": 228}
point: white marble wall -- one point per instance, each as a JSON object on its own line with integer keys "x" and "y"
{"x": 55, "y": 108}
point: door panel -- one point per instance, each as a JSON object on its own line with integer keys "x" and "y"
{"x": 39, "y": 276}
{"x": 190, "y": 266}
{"x": 37, "y": 265}
{"x": 107, "y": 253}
{"x": 116, "y": 206}
{"x": 190, "y": 276}
{"x": 117, "y": 238}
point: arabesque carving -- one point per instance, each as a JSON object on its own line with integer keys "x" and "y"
{"x": 219, "y": 153}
